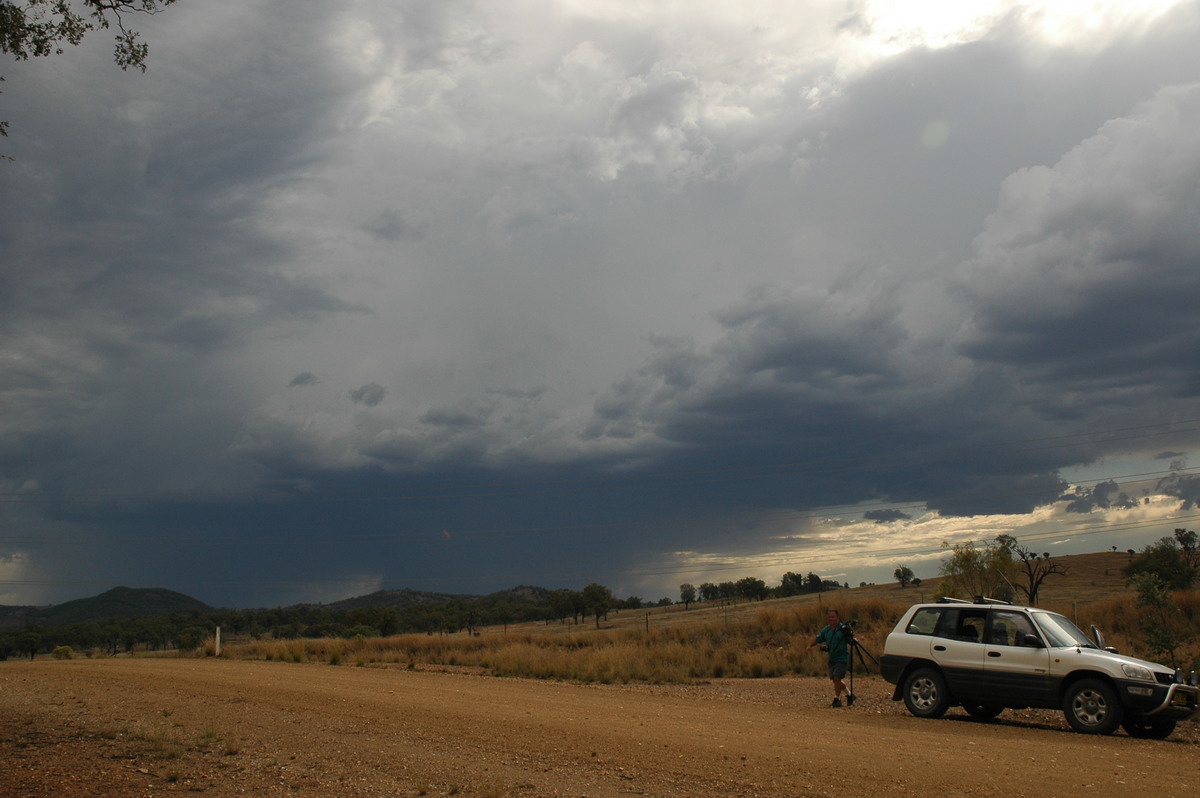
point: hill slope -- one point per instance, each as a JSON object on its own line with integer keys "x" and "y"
{"x": 120, "y": 602}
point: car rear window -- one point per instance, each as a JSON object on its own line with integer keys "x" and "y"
{"x": 924, "y": 621}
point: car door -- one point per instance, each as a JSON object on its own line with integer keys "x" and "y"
{"x": 958, "y": 649}
{"x": 1015, "y": 673}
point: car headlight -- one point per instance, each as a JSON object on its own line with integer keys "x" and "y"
{"x": 1137, "y": 672}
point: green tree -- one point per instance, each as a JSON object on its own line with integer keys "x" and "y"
{"x": 972, "y": 571}
{"x": 1161, "y": 625}
{"x": 1189, "y": 544}
{"x": 791, "y": 584}
{"x": 904, "y": 575}
{"x": 598, "y": 599}
{"x": 751, "y": 587}
{"x": 1167, "y": 559}
{"x": 561, "y": 604}
{"x": 687, "y": 594}
{"x": 37, "y": 28}
{"x": 31, "y": 640}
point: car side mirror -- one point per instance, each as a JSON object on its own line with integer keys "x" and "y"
{"x": 1033, "y": 641}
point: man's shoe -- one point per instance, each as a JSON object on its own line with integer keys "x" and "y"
{"x": 850, "y": 699}
{"x": 837, "y": 702}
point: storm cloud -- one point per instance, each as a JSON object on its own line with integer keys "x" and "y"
{"x": 456, "y": 297}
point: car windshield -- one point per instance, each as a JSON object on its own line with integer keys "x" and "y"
{"x": 1059, "y": 632}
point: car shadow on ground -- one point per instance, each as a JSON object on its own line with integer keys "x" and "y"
{"x": 1048, "y": 720}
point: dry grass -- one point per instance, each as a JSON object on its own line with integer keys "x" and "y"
{"x": 744, "y": 640}
{"x": 759, "y": 640}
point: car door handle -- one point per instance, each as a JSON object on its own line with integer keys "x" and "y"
{"x": 939, "y": 648}
{"x": 993, "y": 653}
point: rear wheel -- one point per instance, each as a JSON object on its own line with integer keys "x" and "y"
{"x": 983, "y": 711}
{"x": 1157, "y": 729}
{"x": 925, "y": 693}
{"x": 1092, "y": 707}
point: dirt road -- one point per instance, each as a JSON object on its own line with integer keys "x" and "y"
{"x": 148, "y": 727}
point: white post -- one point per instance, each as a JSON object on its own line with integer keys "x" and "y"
{"x": 218, "y": 641}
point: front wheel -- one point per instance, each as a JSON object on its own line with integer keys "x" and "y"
{"x": 1092, "y": 707}
{"x": 925, "y": 693}
{"x": 1158, "y": 729}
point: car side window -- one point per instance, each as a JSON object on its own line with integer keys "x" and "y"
{"x": 962, "y": 624}
{"x": 1009, "y": 628}
{"x": 924, "y": 621}
{"x": 971, "y": 624}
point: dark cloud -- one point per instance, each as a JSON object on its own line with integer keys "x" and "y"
{"x": 392, "y": 225}
{"x": 1186, "y": 487}
{"x": 370, "y": 394}
{"x": 1085, "y": 277}
{"x": 1104, "y": 495}
{"x": 454, "y": 417}
{"x": 885, "y": 516}
{"x": 303, "y": 378}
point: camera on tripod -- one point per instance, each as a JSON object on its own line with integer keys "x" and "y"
{"x": 847, "y": 630}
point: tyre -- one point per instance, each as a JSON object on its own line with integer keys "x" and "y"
{"x": 1092, "y": 707}
{"x": 925, "y": 693}
{"x": 983, "y": 711}
{"x": 1157, "y": 729}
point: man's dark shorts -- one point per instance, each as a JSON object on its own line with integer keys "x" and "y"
{"x": 837, "y": 670}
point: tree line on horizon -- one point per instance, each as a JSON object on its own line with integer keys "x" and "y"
{"x": 997, "y": 569}
{"x": 188, "y": 631}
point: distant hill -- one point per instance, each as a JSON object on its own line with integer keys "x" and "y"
{"x": 125, "y": 602}
{"x": 400, "y": 599}
{"x": 397, "y": 599}
{"x": 1090, "y": 577}
{"x": 120, "y": 602}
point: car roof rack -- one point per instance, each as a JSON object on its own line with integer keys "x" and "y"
{"x": 978, "y": 600}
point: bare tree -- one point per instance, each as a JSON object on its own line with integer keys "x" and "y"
{"x": 1033, "y": 567}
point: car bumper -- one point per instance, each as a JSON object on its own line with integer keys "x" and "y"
{"x": 891, "y": 667}
{"x": 1175, "y": 701}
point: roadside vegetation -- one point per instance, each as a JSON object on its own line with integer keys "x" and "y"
{"x": 768, "y": 642}
{"x": 739, "y": 630}
{"x": 367, "y": 616}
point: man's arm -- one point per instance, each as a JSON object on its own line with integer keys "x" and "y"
{"x": 819, "y": 638}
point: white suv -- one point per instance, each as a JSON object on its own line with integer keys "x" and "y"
{"x": 986, "y": 657}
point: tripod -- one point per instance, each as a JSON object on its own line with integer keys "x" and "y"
{"x": 855, "y": 646}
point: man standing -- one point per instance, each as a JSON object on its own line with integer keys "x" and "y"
{"x": 833, "y": 638}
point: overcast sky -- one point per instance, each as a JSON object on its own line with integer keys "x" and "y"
{"x": 458, "y": 296}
